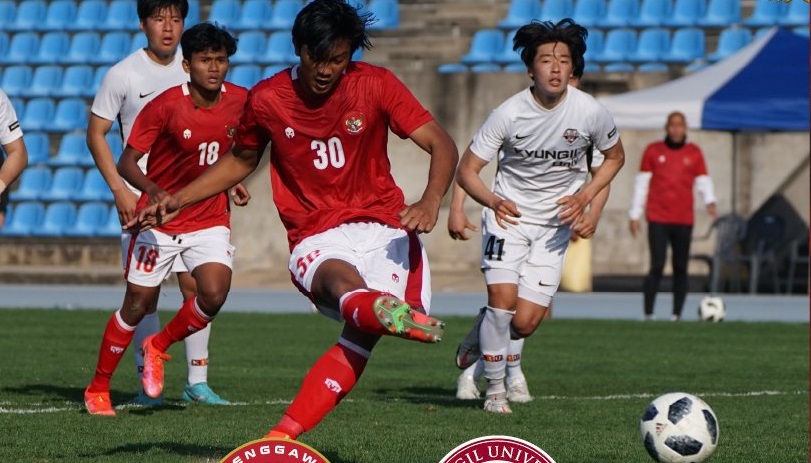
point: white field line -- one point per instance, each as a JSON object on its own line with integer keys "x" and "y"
{"x": 36, "y": 408}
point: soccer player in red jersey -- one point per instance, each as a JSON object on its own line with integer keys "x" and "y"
{"x": 185, "y": 130}
{"x": 354, "y": 246}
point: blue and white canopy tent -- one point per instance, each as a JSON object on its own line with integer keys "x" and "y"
{"x": 763, "y": 87}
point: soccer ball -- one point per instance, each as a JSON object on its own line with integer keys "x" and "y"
{"x": 679, "y": 428}
{"x": 712, "y": 309}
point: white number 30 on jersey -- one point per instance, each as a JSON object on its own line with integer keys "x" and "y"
{"x": 209, "y": 152}
{"x": 328, "y": 154}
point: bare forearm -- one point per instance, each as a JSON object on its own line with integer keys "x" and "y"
{"x": 598, "y": 203}
{"x": 224, "y": 174}
{"x": 128, "y": 169}
{"x": 614, "y": 160}
{"x": 16, "y": 160}
{"x": 102, "y": 155}
{"x": 458, "y": 197}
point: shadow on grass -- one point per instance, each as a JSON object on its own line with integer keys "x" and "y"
{"x": 51, "y": 393}
{"x": 443, "y": 396}
{"x": 175, "y": 448}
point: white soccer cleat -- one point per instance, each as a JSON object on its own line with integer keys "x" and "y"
{"x": 518, "y": 392}
{"x": 466, "y": 388}
{"x": 497, "y": 403}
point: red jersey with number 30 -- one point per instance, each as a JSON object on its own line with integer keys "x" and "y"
{"x": 329, "y": 164}
{"x": 183, "y": 141}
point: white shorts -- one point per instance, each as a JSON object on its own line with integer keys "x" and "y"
{"x": 388, "y": 259}
{"x": 177, "y": 266}
{"x": 152, "y": 254}
{"x": 530, "y": 256}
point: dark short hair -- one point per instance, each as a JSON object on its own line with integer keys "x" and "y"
{"x": 321, "y": 23}
{"x": 207, "y": 36}
{"x": 530, "y": 36}
{"x": 147, "y": 8}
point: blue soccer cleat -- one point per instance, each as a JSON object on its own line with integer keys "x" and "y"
{"x": 202, "y": 394}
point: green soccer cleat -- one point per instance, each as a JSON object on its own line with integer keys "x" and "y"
{"x": 403, "y": 321}
{"x": 202, "y": 394}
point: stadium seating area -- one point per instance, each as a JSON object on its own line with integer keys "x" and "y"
{"x": 53, "y": 57}
{"x": 636, "y": 35}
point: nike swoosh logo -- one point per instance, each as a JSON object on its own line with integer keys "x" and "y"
{"x": 144, "y": 95}
{"x": 355, "y": 317}
{"x": 519, "y": 137}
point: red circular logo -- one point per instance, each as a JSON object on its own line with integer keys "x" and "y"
{"x": 497, "y": 449}
{"x": 274, "y": 450}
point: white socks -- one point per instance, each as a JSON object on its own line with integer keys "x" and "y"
{"x": 514, "y": 372}
{"x": 197, "y": 355}
{"x": 494, "y": 338}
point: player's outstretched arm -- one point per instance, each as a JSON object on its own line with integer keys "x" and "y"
{"x": 125, "y": 200}
{"x": 458, "y": 222}
{"x": 434, "y": 140}
{"x": 468, "y": 178}
{"x": 587, "y": 226}
{"x": 16, "y": 160}
{"x": 572, "y": 207}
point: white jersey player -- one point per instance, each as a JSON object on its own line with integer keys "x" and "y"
{"x": 11, "y": 139}
{"x": 540, "y": 137}
{"x": 127, "y": 87}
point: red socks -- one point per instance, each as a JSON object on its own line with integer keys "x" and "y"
{"x": 113, "y": 344}
{"x": 327, "y": 382}
{"x": 188, "y": 321}
{"x": 358, "y": 309}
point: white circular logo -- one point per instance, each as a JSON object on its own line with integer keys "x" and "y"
{"x": 497, "y": 449}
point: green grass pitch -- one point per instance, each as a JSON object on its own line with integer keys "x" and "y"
{"x": 592, "y": 381}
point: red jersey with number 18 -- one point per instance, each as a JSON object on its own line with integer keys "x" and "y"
{"x": 329, "y": 164}
{"x": 183, "y": 140}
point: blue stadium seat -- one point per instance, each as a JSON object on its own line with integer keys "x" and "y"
{"x": 284, "y": 13}
{"x": 595, "y": 42}
{"x": 619, "y": 43}
{"x": 653, "y": 43}
{"x": 38, "y": 147}
{"x": 19, "y": 106}
{"x": 515, "y": 67}
{"x": 138, "y": 41}
{"x": 765, "y": 14}
{"x": 45, "y": 81}
{"x": 508, "y": 55}
{"x": 556, "y": 10}
{"x": 479, "y": 68}
{"x": 225, "y": 12}
{"x": 254, "y": 15}
{"x": 761, "y": 32}
{"x": 652, "y": 67}
{"x": 66, "y": 182}
{"x": 89, "y": 220}
{"x": 9, "y": 216}
{"x": 246, "y": 75}
{"x": 387, "y": 13}
{"x": 485, "y": 46}
{"x": 59, "y": 217}
{"x": 83, "y": 48}
{"x": 730, "y": 41}
{"x": 519, "y": 13}
{"x": 619, "y": 13}
{"x": 122, "y": 15}
{"x": 618, "y": 67}
{"x": 272, "y": 70}
{"x": 8, "y": 11}
{"x": 76, "y": 80}
{"x": 39, "y": 113}
{"x": 90, "y": 15}
{"x": 652, "y": 13}
{"x": 23, "y": 46}
{"x": 193, "y": 17}
{"x": 688, "y": 44}
{"x": 30, "y": 15}
{"x": 592, "y": 68}
{"x": 34, "y": 181}
{"x": 16, "y": 80}
{"x": 98, "y": 77}
{"x": 94, "y": 188}
{"x": 4, "y": 42}
{"x": 251, "y": 47}
{"x": 27, "y": 216}
{"x": 360, "y": 5}
{"x": 279, "y": 49}
{"x": 72, "y": 151}
{"x": 112, "y": 227}
{"x": 52, "y": 48}
{"x": 795, "y": 14}
{"x": 60, "y": 14}
{"x": 114, "y": 142}
{"x": 588, "y": 13}
{"x": 722, "y": 13}
{"x": 358, "y": 55}
{"x": 71, "y": 114}
{"x": 686, "y": 13}
{"x": 114, "y": 47}
{"x": 452, "y": 68}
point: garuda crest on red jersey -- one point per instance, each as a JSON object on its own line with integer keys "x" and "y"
{"x": 570, "y": 135}
{"x": 354, "y": 122}
{"x": 230, "y": 131}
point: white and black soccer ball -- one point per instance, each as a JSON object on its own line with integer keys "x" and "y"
{"x": 679, "y": 428}
{"x": 712, "y": 309}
